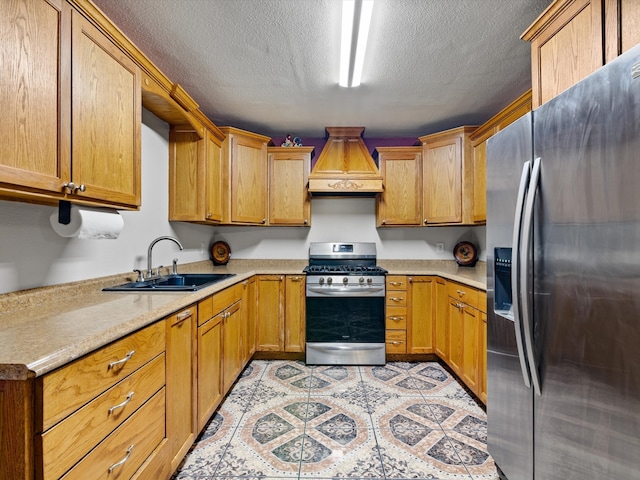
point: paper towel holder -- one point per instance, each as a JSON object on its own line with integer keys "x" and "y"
{"x": 64, "y": 212}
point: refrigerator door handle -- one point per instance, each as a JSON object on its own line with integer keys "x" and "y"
{"x": 515, "y": 271}
{"x": 525, "y": 276}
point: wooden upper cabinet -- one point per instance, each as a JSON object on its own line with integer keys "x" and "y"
{"x": 35, "y": 93}
{"x": 195, "y": 175}
{"x": 573, "y": 38}
{"x": 289, "y": 202}
{"x": 106, "y": 113}
{"x": 72, "y": 103}
{"x": 479, "y": 137}
{"x": 447, "y": 177}
{"x": 401, "y": 201}
{"x": 244, "y": 159}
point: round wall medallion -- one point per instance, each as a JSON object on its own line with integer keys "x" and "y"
{"x": 220, "y": 253}
{"x": 465, "y": 254}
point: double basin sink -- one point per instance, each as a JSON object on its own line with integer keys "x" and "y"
{"x": 187, "y": 282}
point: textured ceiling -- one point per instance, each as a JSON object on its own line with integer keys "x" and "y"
{"x": 271, "y": 66}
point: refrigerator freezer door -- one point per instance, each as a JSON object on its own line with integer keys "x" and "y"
{"x": 586, "y": 291}
{"x": 509, "y": 400}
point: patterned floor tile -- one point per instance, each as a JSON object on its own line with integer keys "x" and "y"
{"x": 285, "y": 420}
{"x": 473, "y": 454}
{"x": 334, "y": 380}
{"x": 292, "y": 408}
{"x": 259, "y": 450}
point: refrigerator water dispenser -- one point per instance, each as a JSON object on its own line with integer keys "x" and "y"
{"x": 503, "y": 295}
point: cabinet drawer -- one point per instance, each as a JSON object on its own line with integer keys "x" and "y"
{"x": 396, "y": 318}
{"x": 396, "y": 282}
{"x": 465, "y": 294}
{"x": 65, "y": 390}
{"x": 68, "y": 441}
{"x": 396, "y": 341}
{"x": 482, "y": 301}
{"x": 126, "y": 449}
{"x": 205, "y": 310}
{"x": 226, "y": 297}
{"x": 397, "y": 299}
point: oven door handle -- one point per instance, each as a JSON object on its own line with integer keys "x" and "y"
{"x": 365, "y": 292}
{"x": 353, "y": 346}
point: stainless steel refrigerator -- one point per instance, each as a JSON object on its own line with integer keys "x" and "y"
{"x": 563, "y": 268}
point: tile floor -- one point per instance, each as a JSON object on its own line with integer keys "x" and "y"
{"x": 286, "y": 420}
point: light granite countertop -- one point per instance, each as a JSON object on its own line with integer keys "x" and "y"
{"x": 44, "y": 328}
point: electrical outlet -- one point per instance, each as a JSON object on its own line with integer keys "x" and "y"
{"x": 440, "y": 247}
{"x": 202, "y": 248}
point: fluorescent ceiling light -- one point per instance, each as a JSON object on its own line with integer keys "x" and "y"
{"x": 356, "y": 20}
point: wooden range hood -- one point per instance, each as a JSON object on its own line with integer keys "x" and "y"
{"x": 345, "y": 167}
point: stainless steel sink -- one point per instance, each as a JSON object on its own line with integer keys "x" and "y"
{"x": 186, "y": 282}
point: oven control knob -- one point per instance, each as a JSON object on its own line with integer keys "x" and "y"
{"x": 321, "y": 280}
{"x": 361, "y": 280}
{"x": 369, "y": 280}
{"x": 345, "y": 280}
{"x": 329, "y": 280}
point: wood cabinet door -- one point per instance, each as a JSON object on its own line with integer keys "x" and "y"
{"x": 294, "y": 313}
{"x": 566, "y": 46}
{"x": 186, "y": 192}
{"x": 209, "y": 368}
{"x": 181, "y": 383}
{"x": 456, "y": 335}
{"x": 232, "y": 354}
{"x": 106, "y": 108}
{"x": 420, "y": 308}
{"x": 482, "y": 358}
{"x": 270, "y": 317}
{"x": 248, "y": 181}
{"x": 441, "y": 319}
{"x": 471, "y": 347}
{"x": 35, "y": 94}
{"x": 249, "y": 318}
{"x": 401, "y": 201}
{"x": 289, "y": 202}
{"x": 442, "y": 181}
{"x": 213, "y": 175}
{"x": 479, "y": 212}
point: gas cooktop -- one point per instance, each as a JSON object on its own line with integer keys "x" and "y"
{"x": 345, "y": 269}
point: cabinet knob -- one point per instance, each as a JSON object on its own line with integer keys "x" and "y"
{"x": 72, "y": 187}
{"x": 384, "y": 222}
{"x": 425, "y": 221}
{"x": 410, "y": 279}
{"x": 209, "y": 215}
{"x": 306, "y": 222}
{"x": 264, "y": 220}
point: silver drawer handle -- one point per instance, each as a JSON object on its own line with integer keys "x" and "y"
{"x": 183, "y": 315}
{"x": 121, "y": 462}
{"x": 122, "y": 361}
{"x": 460, "y": 292}
{"x": 397, "y": 319}
{"x": 396, "y": 343}
{"x": 395, "y": 284}
{"x": 395, "y": 299}
{"x": 120, "y": 405}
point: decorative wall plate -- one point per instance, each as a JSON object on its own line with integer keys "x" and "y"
{"x": 220, "y": 253}
{"x": 465, "y": 254}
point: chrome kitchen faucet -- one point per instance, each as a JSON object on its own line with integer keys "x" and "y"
{"x": 149, "y": 250}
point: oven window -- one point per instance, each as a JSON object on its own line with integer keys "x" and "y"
{"x": 350, "y": 319}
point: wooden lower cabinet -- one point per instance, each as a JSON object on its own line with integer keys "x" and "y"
{"x": 441, "y": 319}
{"x": 270, "y": 298}
{"x": 181, "y": 384}
{"x": 248, "y": 318}
{"x": 209, "y": 361}
{"x": 396, "y": 318}
{"x": 456, "y": 335}
{"x": 420, "y": 314}
{"x": 471, "y": 347}
{"x": 482, "y": 362}
{"x": 233, "y": 356}
{"x": 294, "y": 313}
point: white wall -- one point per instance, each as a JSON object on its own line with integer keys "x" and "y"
{"x": 33, "y": 255}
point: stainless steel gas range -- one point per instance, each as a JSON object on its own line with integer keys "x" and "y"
{"x": 345, "y": 305}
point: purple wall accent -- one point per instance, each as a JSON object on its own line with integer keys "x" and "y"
{"x": 371, "y": 143}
